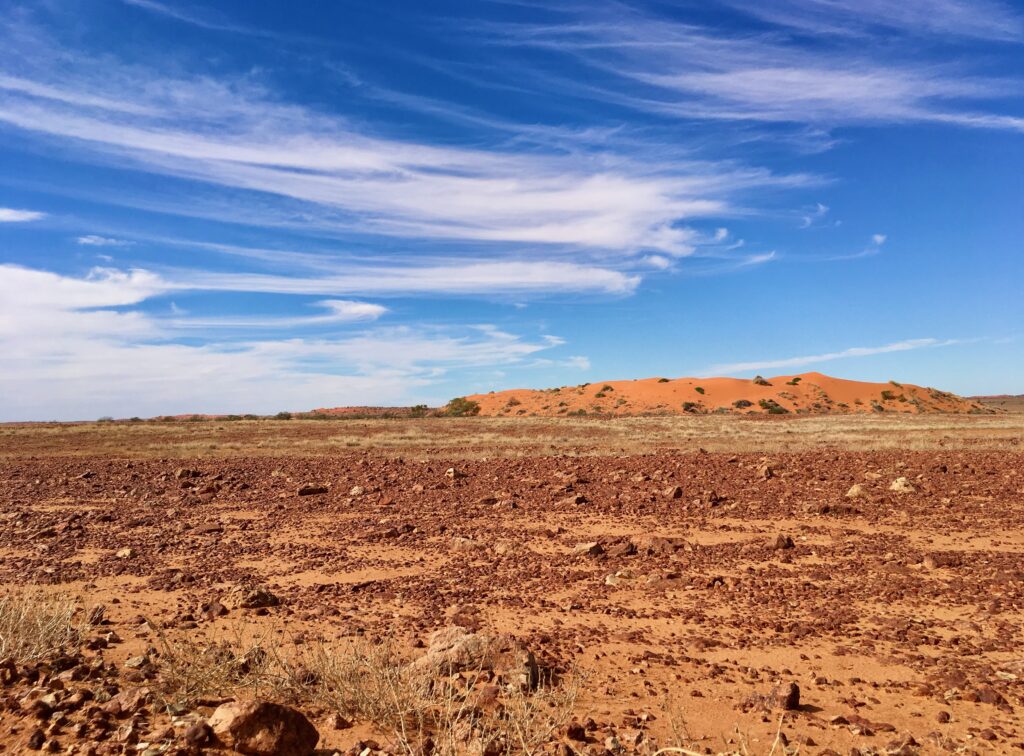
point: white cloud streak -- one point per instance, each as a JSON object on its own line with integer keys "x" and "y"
{"x": 791, "y": 362}
{"x": 457, "y": 277}
{"x": 338, "y": 311}
{"x": 10, "y": 215}
{"x": 72, "y": 350}
{"x": 677, "y": 69}
{"x": 92, "y": 240}
{"x": 233, "y": 134}
{"x": 982, "y": 19}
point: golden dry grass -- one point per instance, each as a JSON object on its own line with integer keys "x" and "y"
{"x": 36, "y": 626}
{"x": 513, "y": 437}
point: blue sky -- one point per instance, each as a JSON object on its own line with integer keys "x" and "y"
{"x": 255, "y": 206}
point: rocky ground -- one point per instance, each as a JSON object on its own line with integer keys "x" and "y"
{"x": 820, "y": 602}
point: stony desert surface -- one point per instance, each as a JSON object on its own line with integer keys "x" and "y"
{"x": 806, "y": 393}
{"x": 810, "y": 585}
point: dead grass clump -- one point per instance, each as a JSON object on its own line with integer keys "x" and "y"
{"x": 34, "y": 626}
{"x": 190, "y": 670}
{"x": 443, "y": 715}
{"x": 418, "y": 710}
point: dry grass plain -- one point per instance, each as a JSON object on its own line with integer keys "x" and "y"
{"x": 468, "y": 438}
{"x": 626, "y": 585}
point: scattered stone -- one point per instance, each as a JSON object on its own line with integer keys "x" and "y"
{"x": 785, "y": 696}
{"x": 572, "y": 500}
{"x": 312, "y": 489}
{"x": 902, "y": 485}
{"x": 198, "y": 735}
{"x": 783, "y": 542}
{"x": 212, "y": 609}
{"x": 857, "y": 491}
{"x": 592, "y": 548}
{"x": 253, "y": 596}
{"x": 575, "y": 731}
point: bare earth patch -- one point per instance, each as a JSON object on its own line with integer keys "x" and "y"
{"x": 779, "y": 590}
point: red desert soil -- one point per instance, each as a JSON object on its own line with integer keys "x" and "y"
{"x": 689, "y": 595}
{"x": 804, "y": 393}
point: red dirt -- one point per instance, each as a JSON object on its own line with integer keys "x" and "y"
{"x": 807, "y": 393}
{"x": 705, "y": 581}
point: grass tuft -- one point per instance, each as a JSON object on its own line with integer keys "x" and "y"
{"x": 34, "y": 626}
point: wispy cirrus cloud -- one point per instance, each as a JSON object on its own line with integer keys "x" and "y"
{"x": 93, "y": 240}
{"x": 981, "y": 19}
{"x": 10, "y": 215}
{"x": 732, "y": 368}
{"x": 812, "y": 216}
{"x": 336, "y": 311}
{"x": 178, "y": 12}
{"x": 611, "y": 197}
{"x": 660, "y": 65}
{"x": 455, "y": 277}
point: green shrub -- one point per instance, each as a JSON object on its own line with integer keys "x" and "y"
{"x": 742, "y": 404}
{"x": 888, "y": 395}
{"x": 663, "y": 380}
{"x": 699, "y": 389}
{"x": 758, "y": 380}
{"x": 772, "y": 407}
{"x": 690, "y": 406}
{"x": 606, "y": 387}
{"x": 460, "y": 406}
{"x": 283, "y": 416}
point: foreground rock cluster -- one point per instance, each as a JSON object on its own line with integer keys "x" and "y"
{"x": 872, "y": 601}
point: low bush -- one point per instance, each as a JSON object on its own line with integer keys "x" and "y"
{"x": 772, "y": 407}
{"x": 461, "y": 407}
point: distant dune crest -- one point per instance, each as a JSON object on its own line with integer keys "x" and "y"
{"x": 806, "y": 393}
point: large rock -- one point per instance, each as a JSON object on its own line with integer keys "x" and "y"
{"x": 454, "y": 649}
{"x": 260, "y": 728}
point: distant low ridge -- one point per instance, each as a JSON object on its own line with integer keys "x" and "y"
{"x": 807, "y": 393}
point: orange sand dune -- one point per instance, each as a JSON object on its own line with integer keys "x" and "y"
{"x": 807, "y": 393}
